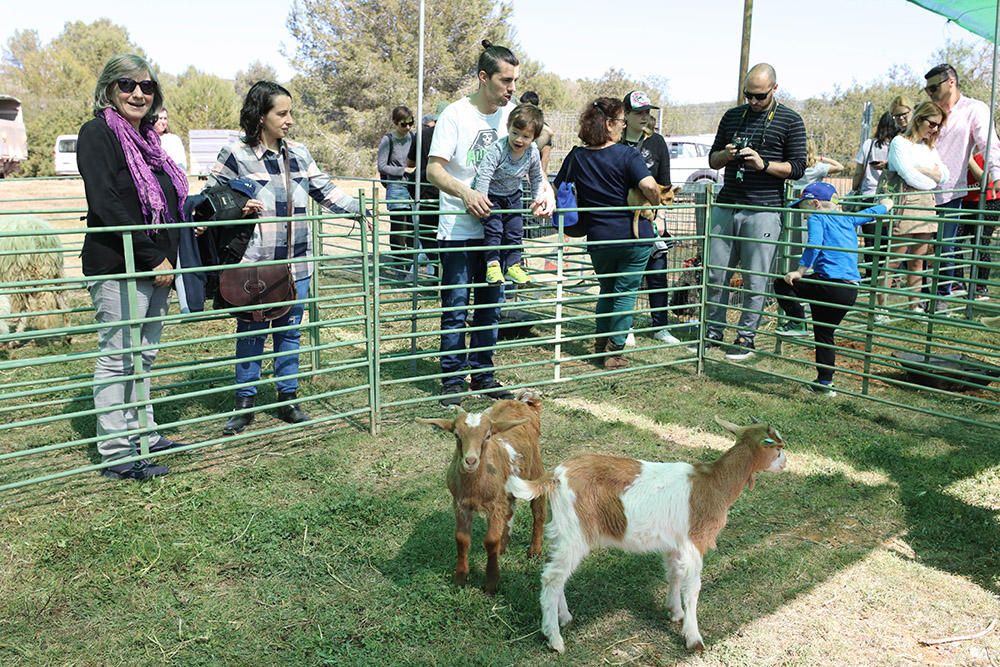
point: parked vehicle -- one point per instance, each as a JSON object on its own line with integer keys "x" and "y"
{"x": 689, "y": 160}
{"x": 204, "y": 147}
{"x": 13, "y": 136}
{"x": 65, "y": 155}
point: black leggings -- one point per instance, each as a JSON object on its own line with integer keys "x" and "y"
{"x": 837, "y": 296}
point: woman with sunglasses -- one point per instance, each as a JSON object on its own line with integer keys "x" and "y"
{"x": 129, "y": 181}
{"x": 264, "y": 155}
{"x": 395, "y": 175}
{"x": 603, "y": 171}
{"x": 914, "y": 160}
{"x": 901, "y": 109}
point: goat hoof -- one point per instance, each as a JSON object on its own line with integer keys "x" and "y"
{"x": 696, "y": 645}
{"x": 565, "y": 619}
{"x": 459, "y": 578}
{"x": 557, "y": 645}
{"x": 677, "y": 616}
{"x": 490, "y": 587}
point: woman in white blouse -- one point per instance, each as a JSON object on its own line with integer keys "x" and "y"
{"x": 913, "y": 157}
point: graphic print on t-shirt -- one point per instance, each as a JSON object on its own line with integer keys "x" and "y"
{"x": 484, "y": 140}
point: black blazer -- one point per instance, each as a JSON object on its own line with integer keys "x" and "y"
{"x": 112, "y": 201}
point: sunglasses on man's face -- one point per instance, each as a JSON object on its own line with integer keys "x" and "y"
{"x": 128, "y": 85}
{"x": 932, "y": 88}
{"x": 760, "y": 97}
{"x": 406, "y": 123}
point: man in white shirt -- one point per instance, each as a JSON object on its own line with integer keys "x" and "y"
{"x": 464, "y": 130}
{"x": 967, "y": 127}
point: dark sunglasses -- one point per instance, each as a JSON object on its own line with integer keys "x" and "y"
{"x": 760, "y": 97}
{"x": 128, "y": 85}
{"x": 405, "y": 123}
{"x": 931, "y": 124}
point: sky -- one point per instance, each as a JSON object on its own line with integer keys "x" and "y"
{"x": 693, "y": 47}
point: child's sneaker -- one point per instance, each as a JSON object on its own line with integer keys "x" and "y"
{"x": 790, "y": 328}
{"x": 494, "y": 274}
{"x": 516, "y": 274}
{"x": 820, "y": 389}
{"x": 742, "y": 348}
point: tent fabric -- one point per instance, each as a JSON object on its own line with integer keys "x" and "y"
{"x": 976, "y": 16}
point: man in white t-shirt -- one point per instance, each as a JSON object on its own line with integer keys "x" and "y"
{"x": 966, "y": 128}
{"x": 464, "y": 130}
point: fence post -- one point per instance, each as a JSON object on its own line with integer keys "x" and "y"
{"x": 315, "y": 226}
{"x": 874, "y": 276}
{"x": 703, "y": 314}
{"x": 369, "y": 267}
{"x": 135, "y": 342}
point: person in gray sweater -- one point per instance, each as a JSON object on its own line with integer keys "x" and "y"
{"x": 392, "y": 169}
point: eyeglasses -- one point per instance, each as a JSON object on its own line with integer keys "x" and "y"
{"x": 128, "y": 85}
{"x": 931, "y": 88}
{"x": 931, "y": 124}
{"x": 618, "y": 120}
{"x": 900, "y": 116}
{"x": 405, "y": 123}
{"x": 760, "y": 97}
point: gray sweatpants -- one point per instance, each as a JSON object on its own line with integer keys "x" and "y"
{"x": 753, "y": 251}
{"x": 110, "y": 299}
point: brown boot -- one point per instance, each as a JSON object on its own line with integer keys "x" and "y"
{"x": 600, "y": 344}
{"x": 615, "y": 361}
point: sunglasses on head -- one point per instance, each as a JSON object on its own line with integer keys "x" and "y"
{"x": 760, "y": 97}
{"x": 128, "y": 85}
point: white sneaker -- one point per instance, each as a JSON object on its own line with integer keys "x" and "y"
{"x": 665, "y": 336}
{"x": 630, "y": 339}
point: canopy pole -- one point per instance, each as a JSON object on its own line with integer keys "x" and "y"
{"x": 744, "y": 48}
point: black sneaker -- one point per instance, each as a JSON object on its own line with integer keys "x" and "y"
{"x": 497, "y": 391}
{"x": 449, "y": 398}
{"x": 742, "y": 348}
{"x": 137, "y": 470}
{"x": 712, "y": 341}
{"x": 164, "y": 444}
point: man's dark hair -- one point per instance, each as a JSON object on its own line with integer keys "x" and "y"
{"x": 529, "y": 97}
{"x": 942, "y": 69}
{"x": 527, "y": 117}
{"x": 259, "y": 101}
{"x": 490, "y": 59}
{"x": 593, "y": 120}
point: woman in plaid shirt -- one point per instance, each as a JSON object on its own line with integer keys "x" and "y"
{"x": 259, "y": 156}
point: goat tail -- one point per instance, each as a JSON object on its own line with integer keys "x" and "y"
{"x": 529, "y": 489}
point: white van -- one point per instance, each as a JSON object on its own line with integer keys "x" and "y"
{"x": 66, "y": 155}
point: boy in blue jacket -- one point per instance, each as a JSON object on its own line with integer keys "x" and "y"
{"x": 832, "y": 285}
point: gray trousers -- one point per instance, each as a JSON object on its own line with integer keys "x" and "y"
{"x": 110, "y": 299}
{"x": 754, "y": 250}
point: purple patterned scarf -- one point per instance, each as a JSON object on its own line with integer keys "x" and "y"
{"x": 143, "y": 154}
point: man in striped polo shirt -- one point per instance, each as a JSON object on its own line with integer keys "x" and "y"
{"x": 760, "y": 144}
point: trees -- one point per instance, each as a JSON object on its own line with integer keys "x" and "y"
{"x": 358, "y": 59}
{"x": 56, "y": 82}
{"x": 201, "y": 101}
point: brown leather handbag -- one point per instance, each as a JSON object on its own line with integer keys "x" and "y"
{"x": 260, "y": 285}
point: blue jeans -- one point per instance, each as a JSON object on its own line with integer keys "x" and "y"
{"x": 400, "y": 226}
{"x": 657, "y": 284}
{"x": 284, "y": 342}
{"x": 501, "y": 229}
{"x": 618, "y": 293}
{"x": 460, "y": 267}
{"x": 949, "y": 230}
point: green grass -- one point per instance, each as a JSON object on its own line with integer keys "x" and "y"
{"x": 337, "y": 548}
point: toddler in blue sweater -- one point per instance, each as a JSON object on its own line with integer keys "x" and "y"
{"x": 832, "y": 284}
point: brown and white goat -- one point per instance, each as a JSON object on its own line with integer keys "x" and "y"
{"x": 676, "y": 509}
{"x": 489, "y": 447}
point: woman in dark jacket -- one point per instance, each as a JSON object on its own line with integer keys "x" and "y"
{"x": 604, "y": 171}
{"x": 129, "y": 181}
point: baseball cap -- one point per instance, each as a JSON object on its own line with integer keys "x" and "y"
{"x": 637, "y": 101}
{"x": 817, "y": 191}
{"x": 428, "y": 118}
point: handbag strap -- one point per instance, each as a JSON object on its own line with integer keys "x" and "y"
{"x": 570, "y": 171}
{"x": 289, "y": 204}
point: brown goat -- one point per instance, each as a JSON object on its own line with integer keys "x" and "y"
{"x": 489, "y": 447}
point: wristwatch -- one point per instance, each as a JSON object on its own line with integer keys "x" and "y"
{"x": 767, "y": 163}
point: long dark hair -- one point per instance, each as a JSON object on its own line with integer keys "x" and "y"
{"x": 259, "y": 101}
{"x": 885, "y": 130}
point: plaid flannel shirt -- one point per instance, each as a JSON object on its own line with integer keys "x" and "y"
{"x": 265, "y": 167}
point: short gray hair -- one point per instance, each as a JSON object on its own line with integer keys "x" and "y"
{"x": 124, "y": 66}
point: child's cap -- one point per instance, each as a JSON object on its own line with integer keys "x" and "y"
{"x": 817, "y": 191}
